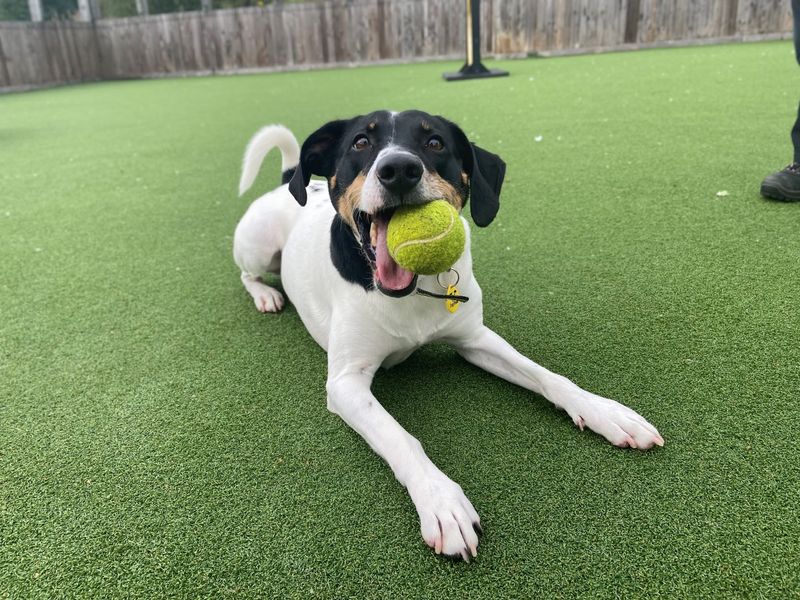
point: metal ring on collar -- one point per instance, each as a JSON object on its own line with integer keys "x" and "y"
{"x": 439, "y": 281}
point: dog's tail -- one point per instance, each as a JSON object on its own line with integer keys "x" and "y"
{"x": 265, "y": 140}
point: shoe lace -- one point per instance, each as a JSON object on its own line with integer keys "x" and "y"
{"x": 793, "y": 168}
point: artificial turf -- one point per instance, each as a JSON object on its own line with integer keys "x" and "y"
{"x": 161, "y": 438}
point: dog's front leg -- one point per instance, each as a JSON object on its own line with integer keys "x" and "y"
{"x": 448, "y": 521}
{"x": 617, "y": 423}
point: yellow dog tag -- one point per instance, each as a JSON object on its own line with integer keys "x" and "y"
{"x": 450, "y": 304}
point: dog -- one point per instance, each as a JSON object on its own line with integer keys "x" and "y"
{"x": 327, "y": 241}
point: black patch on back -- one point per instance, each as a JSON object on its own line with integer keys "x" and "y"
{"x": 287, "y": 175}
{"x": 348, "y": 257}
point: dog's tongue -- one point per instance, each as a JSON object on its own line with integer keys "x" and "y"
{"x": 390, "y": 275}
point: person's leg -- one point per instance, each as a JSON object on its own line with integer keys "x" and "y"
{"x": 796, "y": 138}
{"x": 796, "y": 17}
{"x": 796, "y": 128}
{"x": 785, "y": 185}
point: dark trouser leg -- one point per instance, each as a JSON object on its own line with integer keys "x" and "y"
{"x": 796, "y": 128}
{"x": 796, "y": 137}
{"x": 796, "y": 17}
{"x": 785, "y": 184}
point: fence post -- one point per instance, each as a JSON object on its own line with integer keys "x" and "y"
{"x": 35, "y": 8}
{"x": 632, "y": 12}
{"x": 5, "y": 79}
{"x": 205, "y": 5}
{"x": 88, "y": 10}
{"x": 84, "y": 10}
{"x": 142, "y": 8}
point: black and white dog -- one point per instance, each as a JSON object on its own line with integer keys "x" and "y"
{"x": 328, "y": 242}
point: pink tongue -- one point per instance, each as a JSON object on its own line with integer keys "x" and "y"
{"x": 390, "y": 275}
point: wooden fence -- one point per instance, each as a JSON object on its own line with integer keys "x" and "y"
{"x": 46, "y": 53}
{"x": 359, "y": 31}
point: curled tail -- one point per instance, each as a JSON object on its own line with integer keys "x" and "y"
{"x": 262, "y": 142}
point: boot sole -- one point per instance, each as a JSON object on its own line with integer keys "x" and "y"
{"x": 777, "y": 192}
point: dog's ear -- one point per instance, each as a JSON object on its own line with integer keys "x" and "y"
{"x": 485, "y": 181}
{"x": 485, "y": 171}
{"x": 317, "y": 157}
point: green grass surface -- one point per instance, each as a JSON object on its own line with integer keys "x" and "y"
{"x": 159, "y": 437}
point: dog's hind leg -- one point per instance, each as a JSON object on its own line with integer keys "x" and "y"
{"x": 258, "y": 244}
{"x": 266, "y": 298}
{"x": 261, "y": 234}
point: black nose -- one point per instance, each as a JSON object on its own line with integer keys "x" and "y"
{"x": 400, "y": 173}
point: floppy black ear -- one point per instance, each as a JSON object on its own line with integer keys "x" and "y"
{"x": 486, "y": 172}
{"x": 317, "y": 157}
{"x": 486, "y": 179}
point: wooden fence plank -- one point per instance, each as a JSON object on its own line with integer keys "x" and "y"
{"x": 5, "y": 76}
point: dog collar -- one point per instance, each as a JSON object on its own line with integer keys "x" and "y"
{"x": 452, "y": 299}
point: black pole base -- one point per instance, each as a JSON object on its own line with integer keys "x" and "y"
{"x": 474, "y": 71}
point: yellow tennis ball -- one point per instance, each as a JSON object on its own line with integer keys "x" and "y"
{"x": 426, "y": 238}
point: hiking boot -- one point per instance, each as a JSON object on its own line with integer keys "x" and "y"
{"x": 783, "y": 185}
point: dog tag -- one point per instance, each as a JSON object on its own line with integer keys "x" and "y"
{"x": 451, "y": 304}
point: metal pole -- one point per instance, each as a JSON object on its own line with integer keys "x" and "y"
{"x": 473, "y": 67}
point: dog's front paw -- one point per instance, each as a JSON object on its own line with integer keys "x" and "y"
{"x": 617, "y": 423}
{"x": 448, "y": 522}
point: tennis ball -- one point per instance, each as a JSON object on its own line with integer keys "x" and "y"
{"x": 426, "y": 238}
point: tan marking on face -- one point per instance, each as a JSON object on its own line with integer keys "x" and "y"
{"x": 333, "y": 182}
{"x": 464, "y": 177}
{"x": 348, "y": 202}
{"x": 439, "y": 188}
{"x": 426, "y": 126}
{"x": 371, "y": 126}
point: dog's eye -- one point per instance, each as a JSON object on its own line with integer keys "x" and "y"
{"x": 360, "y": 143}
{"x": 435, "y": 143}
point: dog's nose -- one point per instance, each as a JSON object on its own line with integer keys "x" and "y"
{"x": 400, "y": 173}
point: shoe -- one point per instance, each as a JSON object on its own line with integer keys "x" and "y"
{"x": 783, "y": 185}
